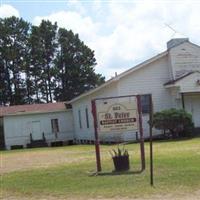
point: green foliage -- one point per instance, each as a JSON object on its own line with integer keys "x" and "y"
{"x": 173, "y": 120}
{"x": 120, "y": 151}
{"x": 13, "y": 52}
{"x": 47, "y": 48}
{"x": 75, "y": 63}
{"x": 43, "y": 63}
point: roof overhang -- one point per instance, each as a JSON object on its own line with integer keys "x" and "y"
{"x": 190, "y": 82}
{"x": 123, "y": 74}
{"x": 34, "y": 113}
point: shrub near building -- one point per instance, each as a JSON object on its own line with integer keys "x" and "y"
{"x": 174, "y": 122}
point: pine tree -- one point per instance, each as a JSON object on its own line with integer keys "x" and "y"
{"x": 47, "y": 36}
{"x": 43, "y": 64}
{"x": 75, "y": 64}
{"x": 13, "y": 38}
{"x": 35, "y": 64}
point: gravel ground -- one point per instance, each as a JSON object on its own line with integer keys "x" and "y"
{"x": 193, "y": 196}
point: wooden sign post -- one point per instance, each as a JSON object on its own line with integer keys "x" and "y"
{"x": 120, "y": 114}
{"x": 151, "y": 138}
{"x": 97, "y": 149}
{"x": 117, "y": 114}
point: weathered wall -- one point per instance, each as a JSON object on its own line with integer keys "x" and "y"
{"x": 184, "y": 58}
{"x": 190, "y": 83}
{"x": 192, "y": 105}
{"x": 85, "y": 133}
{"x": 149, "y": 79}
{"x": 17, "y": 128}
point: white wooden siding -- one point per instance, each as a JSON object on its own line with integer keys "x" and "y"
{"x": 146, "y": 80}
{"x": 184, "y": 58}
{"x": 149, "y": 79}
{"x": 192, "y": 105}
{"x": 17, "y": 129}
{"x": 85, "y": 133}
{"x": 189, "y": 83}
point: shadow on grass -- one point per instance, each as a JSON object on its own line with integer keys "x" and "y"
{"x": 175, "y": 139}
{"x": 115, "y": 173}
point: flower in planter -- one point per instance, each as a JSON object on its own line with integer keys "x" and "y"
{"x": 120, "y": 158}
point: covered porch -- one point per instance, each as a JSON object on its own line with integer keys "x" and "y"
{"x": 185, "y": 93}
{"x": 191, "y": 103}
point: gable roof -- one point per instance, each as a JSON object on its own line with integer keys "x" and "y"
{"x": 180, "y": 78}
{"x": 32, "y": 109}
{"x": 123, "y": 74}
{"x": 175, "y": 80}
{"x": 129, "y": 71}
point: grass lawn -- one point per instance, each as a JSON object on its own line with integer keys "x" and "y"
{"x": 176, "y": 165}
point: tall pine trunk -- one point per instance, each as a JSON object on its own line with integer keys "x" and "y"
{"x": 49, "y": 82}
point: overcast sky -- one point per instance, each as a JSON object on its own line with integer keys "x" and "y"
{"x": 123, "y": 33}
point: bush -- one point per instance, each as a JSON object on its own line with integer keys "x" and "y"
{"x": 176, "y": 121}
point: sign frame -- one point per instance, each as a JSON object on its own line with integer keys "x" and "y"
{"x": 97, "y": 142}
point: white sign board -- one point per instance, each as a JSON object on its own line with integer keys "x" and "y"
{"x": 117, "y": 114}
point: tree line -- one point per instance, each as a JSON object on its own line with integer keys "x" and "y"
{"x": 44, "y": 63}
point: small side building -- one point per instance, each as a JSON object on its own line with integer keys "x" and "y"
{"x": 36, "y": 125}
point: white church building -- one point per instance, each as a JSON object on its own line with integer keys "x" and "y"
{"x": 172, "y": 77}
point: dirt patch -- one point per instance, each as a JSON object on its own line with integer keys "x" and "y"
{"x": 40, "y": 159}
{"x": 193, "y": 196}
